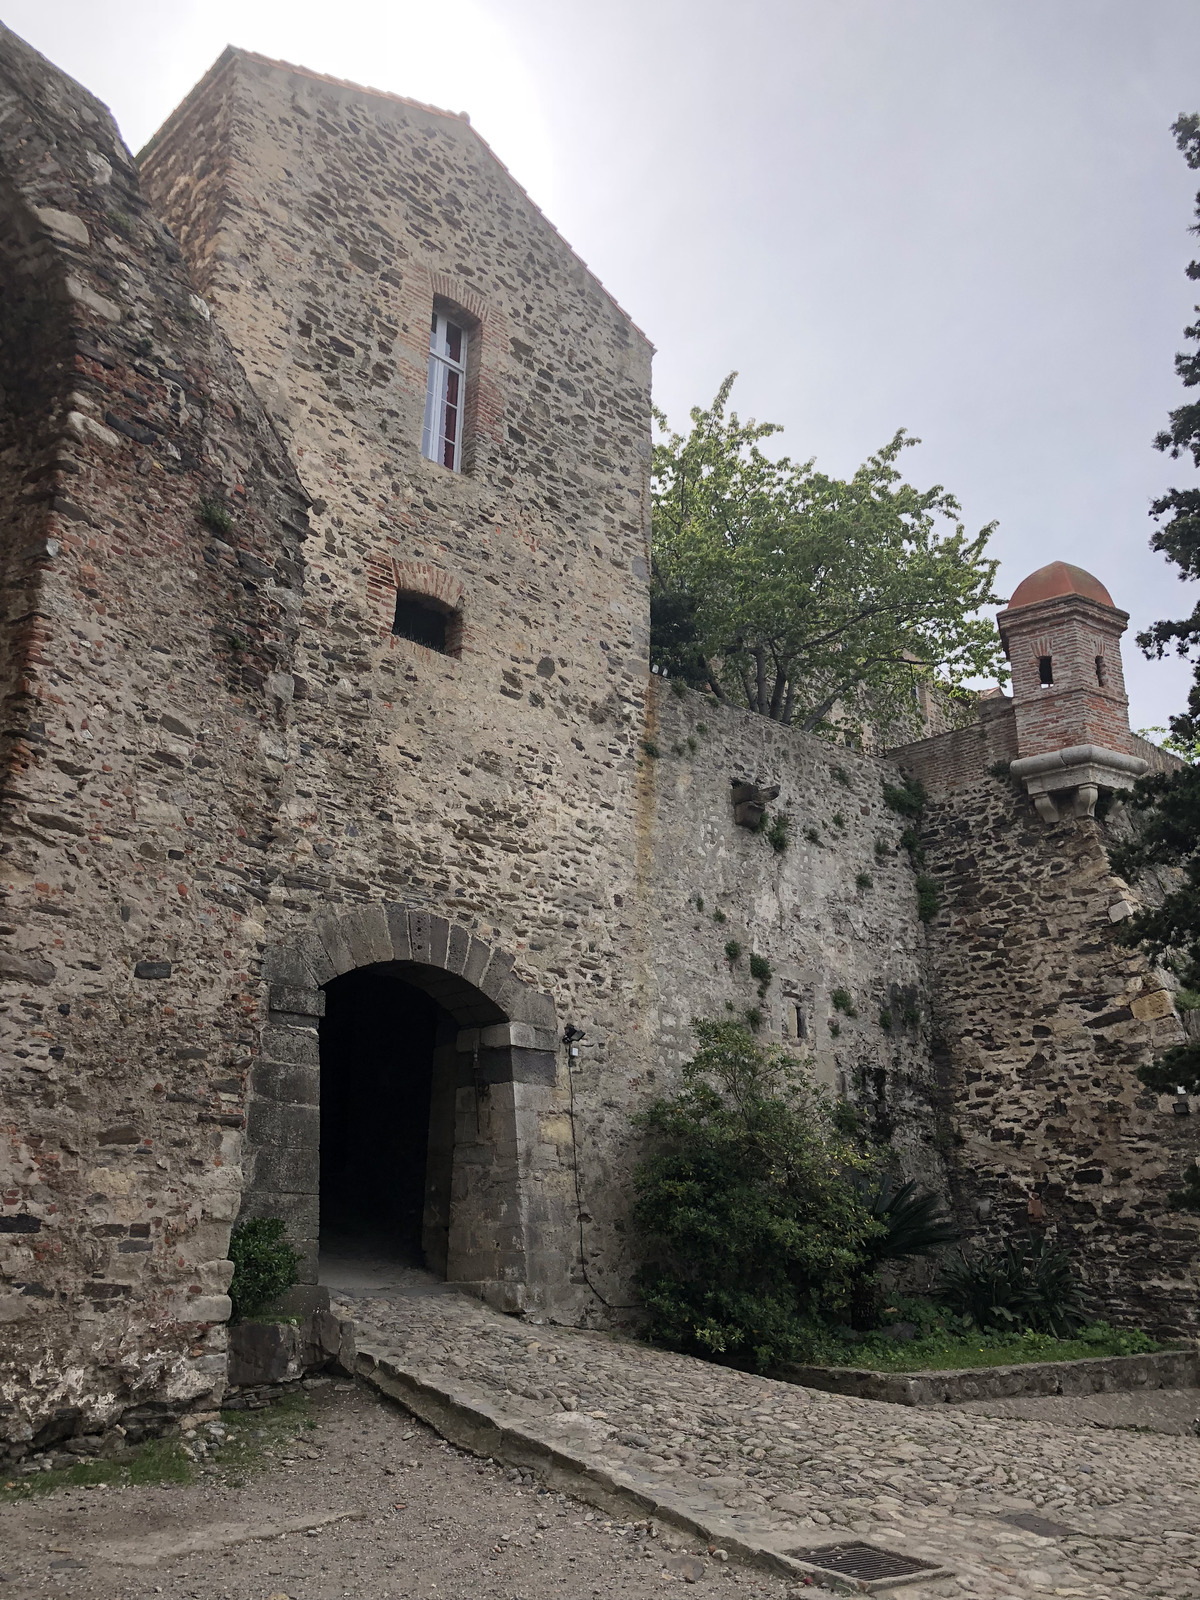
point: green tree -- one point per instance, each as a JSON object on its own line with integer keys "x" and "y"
{"x": 747, "y": 1204}
{"x": 802, "y": 596}
{"x": 1169, "y": 803}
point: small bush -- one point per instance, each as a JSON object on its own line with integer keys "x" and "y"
{"x": 910, "y": 840}
{"x": 733, "y": 952}
{"x": 998, "y": 769}
{"x": 692, "y": 745}
{"x": 760, "y": 971}
{"x": 928, "y": 899}
{"x": 699, "y": 902}
{"x": 842, "y": 1001}
{"x": 678, "y": 688}
{"x": 718, "y": 915}
{"x": 1028, "y": 1283}
{"x": 651, "y": 749}
{"x": 838, "y": 820}
{"x": 882, "y": 848}
{"x": 754, "y": 1018}
{"x": 864, "y": 880}
{"x": 912, "y": 1017}
{"x": 885, "y": 1021}
{"x": 752, "y": 1230}
{"x": 812, "y": 836}
{"x": 778, "y": 832}
{"x": 214, "y": 515}
{"x": 702, "y": 729}
{"x": 907, "y": 798}
{"x": 264, "y": 1265}
{"x": 841, "y": 776}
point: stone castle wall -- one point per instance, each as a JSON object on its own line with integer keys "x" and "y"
{"x": 494, "y": 787}
{"x": 228, "y": 782}
{"x": 1040, "y": 1021}
{"x": 143, "y": 728}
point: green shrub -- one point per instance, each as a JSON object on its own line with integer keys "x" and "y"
{"x": 752, "y": 1231}
{"x": 678, "y": 688}
{"x": 838, "y": 820}
{"x": 1027, "y": 1283}
{"x": 882, "y": 848}
{"x": 213, "y": 514}
{"x": 928, "y": 899}
{"x": 812, "y": 836}
{"x": 754, "y": 1018}
{"x": 778, "y": 832}
{"x": 733, "y": 952}
{"x": 842, "y": 1001}
{"x": 264, "y": 1265}
{"x": 651, "y": 749}
{"x": 885, "y": 1021}
{"x": 841, "y": 776}
{"x": 907, "y": 798}
{"x": 998, "y": 769}
{"x": 718, "y": 915}
{"x": 910, "y": 840}
{"x": 760, "y": 971}
{"x": 864, "y": 880}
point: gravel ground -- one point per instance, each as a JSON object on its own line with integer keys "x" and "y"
{"x": 415, "y": 1520}
{"x": 779, "y": 1464}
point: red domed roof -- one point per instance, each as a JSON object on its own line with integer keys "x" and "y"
{"x": 1060, "y": 577}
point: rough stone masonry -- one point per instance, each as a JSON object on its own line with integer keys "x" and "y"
{"x": 359, "y": 872}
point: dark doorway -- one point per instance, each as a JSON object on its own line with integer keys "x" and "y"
{"x": 380, "y": 1041}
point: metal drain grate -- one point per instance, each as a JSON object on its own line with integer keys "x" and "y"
{"x": 858, "y": 1560}
{"x": 1040, "y": 1525}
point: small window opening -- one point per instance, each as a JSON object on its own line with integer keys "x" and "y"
{"x": 424, "y": 622}
{"x": 1101, "y": 678}
{"x": 794, "y": 1022}
{"x": 445, "y": 393}
{"x": 1045, "y": 671}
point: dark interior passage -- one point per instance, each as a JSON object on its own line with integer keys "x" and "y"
{"x": 378, "y": 1041}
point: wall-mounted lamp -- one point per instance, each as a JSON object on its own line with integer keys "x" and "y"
{"x": 571, "y": 1038}
{"x": 1182, "y": 1105}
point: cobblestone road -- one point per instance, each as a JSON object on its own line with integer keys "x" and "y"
{"x": 787, "y": 1467}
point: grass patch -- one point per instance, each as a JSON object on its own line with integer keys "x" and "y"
{"x": 941, "y": 1352}
{"x": 253, "y": 1441}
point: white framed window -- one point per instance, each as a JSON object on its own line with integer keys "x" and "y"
{"x": 446, "y": 392}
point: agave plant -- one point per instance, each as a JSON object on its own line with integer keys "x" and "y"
{"x": 1028, "y": 1283}
{"x": 911, "y": 1215}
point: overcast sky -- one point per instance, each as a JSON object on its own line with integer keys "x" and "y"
{"x": 967, "y": 218}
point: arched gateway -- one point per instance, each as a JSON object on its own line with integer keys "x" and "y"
{"x": 399, "y": 1098}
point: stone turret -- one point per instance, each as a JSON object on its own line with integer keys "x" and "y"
{"x": 1062, "y": 632}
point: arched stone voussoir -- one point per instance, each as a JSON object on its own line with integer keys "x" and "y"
{"x": 351, "y": 937}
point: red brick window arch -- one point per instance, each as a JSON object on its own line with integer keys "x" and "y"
{"x": 452, "y": 385}
{"x": 426, "y": 607}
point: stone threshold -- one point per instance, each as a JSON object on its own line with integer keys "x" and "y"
{"x": 1165, "y": 1369}
{"x": 471, "y": 1424}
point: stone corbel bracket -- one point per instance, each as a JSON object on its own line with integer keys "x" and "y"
{"x": 1081, "y": 770}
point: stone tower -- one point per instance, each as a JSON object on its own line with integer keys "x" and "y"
{"x": 1062, "y": 634}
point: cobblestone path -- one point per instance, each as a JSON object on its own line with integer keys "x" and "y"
{"x": 780, "y": 1467}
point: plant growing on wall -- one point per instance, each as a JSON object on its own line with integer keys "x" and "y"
{"x": 733, "y": 952}
{"x": 264, "y": 1265}
{"x": 751, "y": 1227}
{"x": 793, "y": 593}
{"x": 213, "y": 514}
{"x": 760, "y": 971}
{"x": 779, "y": 832}
{"x": 842, "y": 1001}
